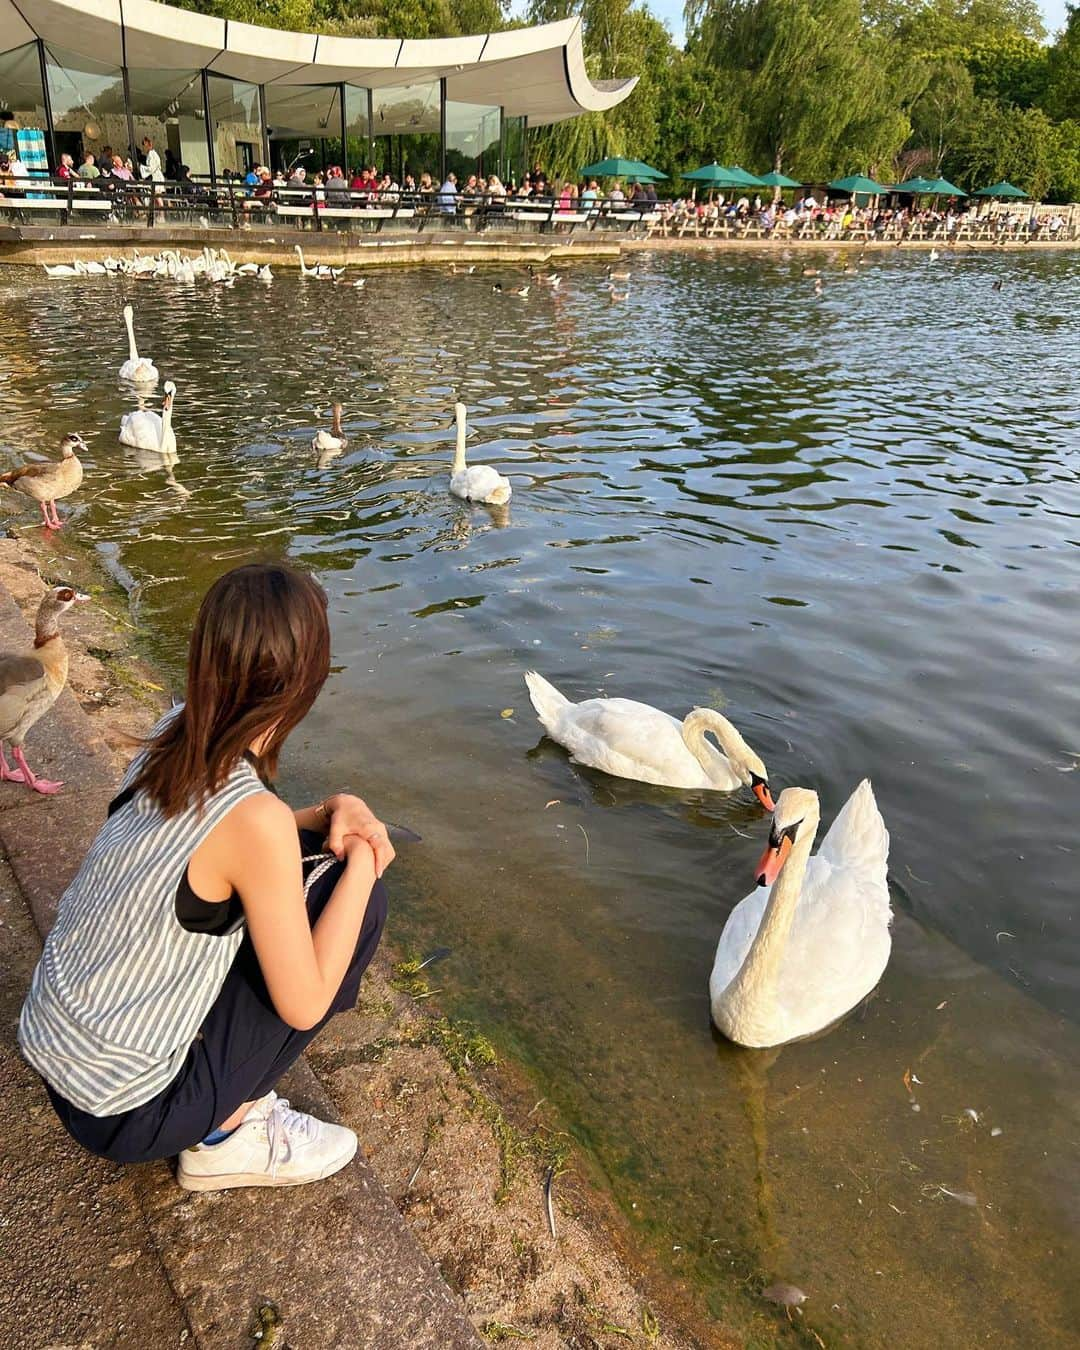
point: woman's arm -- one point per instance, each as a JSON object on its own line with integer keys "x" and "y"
{"x": 342, "y": 815}
{"x": 303, "y": 966}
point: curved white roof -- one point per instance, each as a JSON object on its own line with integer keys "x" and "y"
{"x": 536, "y": 72}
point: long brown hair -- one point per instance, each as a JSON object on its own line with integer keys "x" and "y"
{"x": 260, "y": 653}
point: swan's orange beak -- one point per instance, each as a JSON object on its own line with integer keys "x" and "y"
{"x": 774, "y": 857}
{"x": 762, "y": 792}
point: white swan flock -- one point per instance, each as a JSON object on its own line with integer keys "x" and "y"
{"x": 812, "y": 940}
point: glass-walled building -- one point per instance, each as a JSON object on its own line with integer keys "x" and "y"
{"x": 78, "y": 79}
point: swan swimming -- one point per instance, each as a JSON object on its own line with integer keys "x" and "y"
{"x": 796, "y": 956}
{"x": 475, "y": 482}
{"x": 146, "y": 430}
{"x": 329, "y": 444}
{"x": 634, "y": 740}
{"x": 138, "y": 369}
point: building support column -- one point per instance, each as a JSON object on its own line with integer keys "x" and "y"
{"x": 208, "y": 118}
{"x": 370, "y": 128}
{"x": 442, "y": 130}
{"x": 344, "y": 133}
{"x": 132, "y": 148}
{"x": 265, "y": 128}
{"x": 53, "y": 158}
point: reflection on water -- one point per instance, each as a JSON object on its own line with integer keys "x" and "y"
{"x": 851, "y": 523}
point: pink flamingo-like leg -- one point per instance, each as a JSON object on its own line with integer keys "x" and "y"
{"x": 7, "y": 773}
{"x": 46, "y": 519}
{"x": 56, "y": 522}
{"x": 41, "y": 785}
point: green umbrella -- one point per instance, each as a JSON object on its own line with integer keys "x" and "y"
{"x": 941, "y": 187}
{"x": 1001, "y": 189}
{"x": 915, "y": 185}
{"x": 715, "y": 175}
{"x": 858, "y": 182}
{"x": 780, "y": 180}
{"x": 746, "y": 179}
{"x": 617, "y": 167}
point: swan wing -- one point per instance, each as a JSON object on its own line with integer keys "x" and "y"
{"x": 857, "y": 838}
{"x": 141, "y": 429}
{"x": 630, "y": 740}
{"x": 480, "y": 483}
{"x": 743, "y": 923}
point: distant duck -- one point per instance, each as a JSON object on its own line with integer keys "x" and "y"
{"x": 617, "y": 296}
{"x": 147, "y": 430}
{"x": 264, "y": 273}
{"x": 635, "y": 740}
{"x": 998, "y": 285}
{"x": 497, "y": 287}
{"x": 48, "y": 481}
{"x": 811, "y": 271}
{"x": 794, "y": 958}
{"x": 360, "y": 283}
{"x": 328, "y": 444}
{"x": 475, "y": 482}
{"x": 552, "y": 279}
{"x": 521, "y": 292}
{"x": 618, "y": 276}
{"x": 321, "y": 271}
{"x": 138, "y": 369}
{"x": 30, "y": 683}
{"x": 467, "y": 271}
{"x": 818, "y": 289}
{"x": 934, "y": 255}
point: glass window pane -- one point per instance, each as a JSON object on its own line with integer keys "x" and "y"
{"x": 472, "y": 140}
{"x": 167, "y": 106}
{"x": 304, "y": 124}
{"x": 22, "y": 106}
{"x": 237, "y": 124}
{"x": 406, "y": 125}
{"x": 359, "y": 128}
{"x": 87, "y": 100}
{"x": 514, "y": 167}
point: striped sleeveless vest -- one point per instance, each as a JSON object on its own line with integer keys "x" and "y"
{"x": 121, "y": 988}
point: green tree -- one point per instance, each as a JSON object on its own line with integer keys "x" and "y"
{"x": 813, "y": 83}
{"x": 938, "y": 116}
{"x": 1062, "y": 98}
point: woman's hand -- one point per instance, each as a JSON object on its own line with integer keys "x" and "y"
{"x": 351, "y": 815}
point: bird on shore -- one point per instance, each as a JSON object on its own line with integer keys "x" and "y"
{"x": 30, "y": 683}
{"x": 138, "y": 369}
{"x": 796, "y": 956}
{"x": 50, "y": 480}
{"x": 145, "y": 429}
{"x": 635, "y": 740}
{"x": 329, "y": 444}
{"x": 475, "y": 482}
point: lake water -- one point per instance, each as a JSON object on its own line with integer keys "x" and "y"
{"x": 854, "y": 524}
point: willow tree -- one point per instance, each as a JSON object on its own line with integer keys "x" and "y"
{"x": 816, "y": 86}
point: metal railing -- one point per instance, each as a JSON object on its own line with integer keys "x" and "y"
{"x": 235, "y": 204}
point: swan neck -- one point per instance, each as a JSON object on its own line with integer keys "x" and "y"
{"x": 694, "y": 728}
{"x": 336, "y": 428}
{"x": 133, "y": 351}
{"x": 760, "y": 971}
{"x": 166, "y": 422}
{"x": 459, "y": 446}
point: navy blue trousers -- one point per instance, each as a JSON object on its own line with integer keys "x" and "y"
{"x": 239, "y": 1053}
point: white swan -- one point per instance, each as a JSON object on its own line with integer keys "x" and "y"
{"x": 146, "y": 430}
{"x": 329, "y": 444}
{"x": 320, "y": 270}
{"x": 138, "y": 369}
{"x": 634, "y": 740}
{"x": 795, "y": 958}
{"x": 65, "y": 269}
{"x": 475, "y": 482}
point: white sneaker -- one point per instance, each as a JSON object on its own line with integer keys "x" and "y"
{"x": 273, "y": 1146}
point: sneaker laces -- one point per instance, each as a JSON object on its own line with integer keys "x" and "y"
{"x": 283, "y": 1126}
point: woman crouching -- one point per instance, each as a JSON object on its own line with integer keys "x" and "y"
{"x": 209, "y": 935}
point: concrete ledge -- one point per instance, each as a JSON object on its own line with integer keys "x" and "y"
{"x": 335, "y": 1258}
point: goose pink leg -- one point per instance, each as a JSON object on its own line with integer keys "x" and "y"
{"x": 7, "y": 773}
{"x": 41, "y": 785}
{"x": 46, "y": 519}
{"x": 55, "y": 523}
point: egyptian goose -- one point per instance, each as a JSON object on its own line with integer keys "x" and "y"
{"x": 30, "y": 683}
{"x": 48, "y": 481}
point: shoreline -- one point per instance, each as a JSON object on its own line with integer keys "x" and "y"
{"x": 452, "y": 1132}
{"x": 36, "y": 246}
